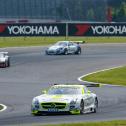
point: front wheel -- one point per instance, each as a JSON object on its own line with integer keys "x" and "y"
{"x": 95, "y": 105}
{"x": 82, "y": 107}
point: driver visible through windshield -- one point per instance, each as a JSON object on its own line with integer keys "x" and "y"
{"x": 64, "y": 91}
{"x": 61, "y": 43}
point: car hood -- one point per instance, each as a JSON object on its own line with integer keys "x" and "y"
{"x": 57, "y": 98}
{"x": 55, "y": 47}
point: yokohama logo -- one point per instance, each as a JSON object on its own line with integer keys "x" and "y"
{"x": 98, "y": 30}
{"x": 30, "y": 30}
{"x": 110, "y": 30}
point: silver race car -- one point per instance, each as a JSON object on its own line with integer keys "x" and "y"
{"x": 4, "y": 59}
{"x": 64, "y": 47}
{"x": 72, "y": 99}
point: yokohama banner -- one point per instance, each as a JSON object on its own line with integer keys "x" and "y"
{"x": 62, "y": 29}
{"x": 32, "y": 29}
{"x": 97, "y": 29}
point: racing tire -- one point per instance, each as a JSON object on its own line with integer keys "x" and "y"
{"x": 96, "y": 106}
{"x": 5, "y": 64}
{"x": 8, "y": 63}
{"x": 82, "y": 107}
{"x": 78, "y": 51}
{"x": 65, "y": 52}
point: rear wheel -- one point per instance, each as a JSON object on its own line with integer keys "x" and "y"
{"x": 82, "y": 107}
{"x": 4, "y": 64}
{"x": 65, "y": 52}
{"x": 95, "y": 105}
{"x": 78, "y": 51}
{"x": 8, "y": 63}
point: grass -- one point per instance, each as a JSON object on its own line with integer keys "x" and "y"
{"x": 114, "y": 76}
{"x": 38, "y": 41}
{"x": 104, "y": 123}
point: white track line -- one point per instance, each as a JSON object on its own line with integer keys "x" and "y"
{"x": 4, "y": 107}
{"x": 80, "y": 78}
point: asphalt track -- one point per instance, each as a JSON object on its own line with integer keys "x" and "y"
{"x": 31, "y": 71}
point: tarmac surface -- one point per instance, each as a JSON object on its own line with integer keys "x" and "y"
{"x": 31, "y": 71}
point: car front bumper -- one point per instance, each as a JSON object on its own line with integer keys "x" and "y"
{"x": 68, "y": 109}
{"x": 54, "y": 52}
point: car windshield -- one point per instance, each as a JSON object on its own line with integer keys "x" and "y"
{"x": 1, "y": 55}
{"x": 64, "y": 90}
{"x": 61, "y": 44}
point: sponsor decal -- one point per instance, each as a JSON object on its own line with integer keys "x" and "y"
{"x": 110, "y": 30}
{"x": 32, "y": 29}
{"x": 97, "y": 29}
{"x": 59, "y": 29}
{"x": 27, "y": 30}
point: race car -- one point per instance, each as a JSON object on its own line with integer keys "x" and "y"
{"x": 4, "y": 59}
{"x": 62, "y": 98}
{"x": 64, "y": 47}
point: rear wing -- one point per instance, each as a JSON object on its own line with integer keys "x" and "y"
{"x": 86, "y": 84}
{"x": 92, "y": 85}
{"x": 79, "y": 42}
{"x": 3, "y": 52}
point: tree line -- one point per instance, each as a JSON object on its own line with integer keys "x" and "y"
{"x": 92, "y": 10}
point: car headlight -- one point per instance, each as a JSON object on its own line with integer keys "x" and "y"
{"x": 36, "y": 103}
{"x": 59, "y": 49}
{"x": 73, "y": 102}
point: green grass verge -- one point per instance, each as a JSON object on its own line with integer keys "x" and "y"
{"x": 104, "y": 123}
{"x": 37, "y": 41}
{"x": 114, "y": 76}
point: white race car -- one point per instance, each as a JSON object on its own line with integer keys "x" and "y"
{"x": 64, "y": 47}
{"x": 61, "y": 98}
{"x": 4, "y": 59}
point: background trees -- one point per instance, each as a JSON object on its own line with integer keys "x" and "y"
{"x": 75, "y": 10}
{"x": 118, "y": 10}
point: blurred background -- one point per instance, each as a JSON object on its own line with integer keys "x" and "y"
{"x": 62, "y": 10}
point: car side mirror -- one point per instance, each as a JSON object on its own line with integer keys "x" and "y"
{"x": 44, "y": 91}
